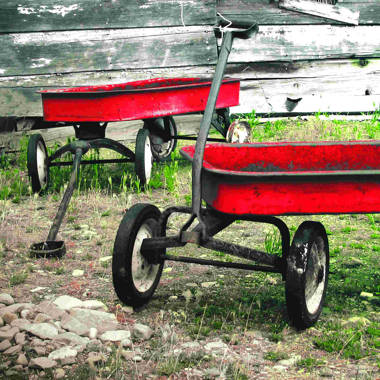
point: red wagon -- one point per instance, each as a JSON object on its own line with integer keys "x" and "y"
{"x": 253, "y": 182}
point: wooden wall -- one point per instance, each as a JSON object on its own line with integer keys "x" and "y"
{"x": 296, "y": 64}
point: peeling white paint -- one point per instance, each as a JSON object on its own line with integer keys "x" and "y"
{"x": 56, "y": 9}
{"x": 40, "y": 62}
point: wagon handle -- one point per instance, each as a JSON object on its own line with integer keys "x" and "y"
{"x": 224, "y": 52}
{"x": 248, "y": 26}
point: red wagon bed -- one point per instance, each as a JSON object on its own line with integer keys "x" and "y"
{"x": 291, "y": 177}
{"x": 144, "y": 99}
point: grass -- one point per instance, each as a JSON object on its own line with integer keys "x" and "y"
{"x": 240, "y": 301}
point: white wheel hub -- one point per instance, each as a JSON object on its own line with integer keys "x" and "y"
{"x": 143, "y": 273}
{"x": 41, "y": 164}
{"x": 315, "y": 278}
{"x": 148, "y": 159}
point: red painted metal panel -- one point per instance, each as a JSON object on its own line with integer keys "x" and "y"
{"x": 135, "y": 100}
{"x": 292, "y": 177}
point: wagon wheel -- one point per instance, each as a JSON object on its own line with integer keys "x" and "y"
{"x": 307, "y": 270}
{"x": 144, "y": 157}
{"x": 163, "y": 146}
{"x": 37, "y": 162}
{"x": 134, "y": 278}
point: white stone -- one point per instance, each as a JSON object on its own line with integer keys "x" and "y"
{"x": 63, "y": 353}
{"x": 71, "y": 339}
{"x": 42, "y": 363}
{"x": 6, "y": 299}
{"x": 216, "y": 346}
{"x": 194, "y": 345}
{"x": 42, "y": 330}
{"x": 105, "y": 259}
{"x": 77, "y": 273}
{"x": 38, "y": 289}
{"x": 67, "y": 302}
{"x": 115, "y": 336}
{"x": 93, "y": 333}
{"x": 142, "y": 331}
{"x": 208, "y": 284}
{"x": 93, "y": 304}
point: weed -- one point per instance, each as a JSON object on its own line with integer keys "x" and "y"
{"x": 310, "y": 363}
{"x": 18, "y": 278}
{"x": 176, "y": 363}
{"x": 276, "y": 356}
{"x": 273, "y": 243}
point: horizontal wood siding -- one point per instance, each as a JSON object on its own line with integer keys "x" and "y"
{"x": 267, "y": 12}
{"x": 353, "y": 84}
{"x": 92, "y": 50}
{"x": 296, "y": 63}
{"x": 49, "y": 15}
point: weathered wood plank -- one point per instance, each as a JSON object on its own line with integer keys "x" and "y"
{"x": 267, "y": 12}
{"x": 48, "y": 15}
{"x": 18, "y": 95}
{"x": 75, "y": 51}
{"x": 307, "y": 42}
{"x": 327, "y": 11}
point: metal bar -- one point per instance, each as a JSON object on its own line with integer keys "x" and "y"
{"x": 243, "y": 252}
{"x": 156, "y": 243}
{"x": 88, "y": 162}
{"x": 223, "y": 264}
{"x": 194, "y": 138}
{"x": 206, "y": 123}
{"x": 66, "y": 197}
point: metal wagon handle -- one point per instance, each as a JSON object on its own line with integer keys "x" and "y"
{"x": 249, "y": 28}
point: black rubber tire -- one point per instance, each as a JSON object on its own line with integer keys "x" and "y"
{"x": 140, "y": 219}
{"x": 307, "y": 269}
{"x": 163, "y": 152}
{"x": 37, "y": 162}
{"x": 144, "y": 156}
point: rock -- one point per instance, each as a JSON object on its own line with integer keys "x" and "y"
{"x": 42, "y": 363}
{"x": 22, "y": 360}
{"x": 25, "y": 313}
{"x": 127, "y": 355}
{"x": 4, "y": 345}
{"x": 73, "y": 325}
{"x": 115, "y": 336}
{"x": 192, "y": 345}
{"x": 126, "y": 343}
{"x": 68, "y": 361}
{"x": 326, "y": 372}
{"x": 42, "y": 330}
{"x": 9, "y": 334}
{"x": 137, "y": 358}
{"x": 39, "y": 350}
{"x": 71, "y": 339}
{"x": 41, "y": 318}
{"x": 16, "y": 308}
{"x": 13, "y": 350}
{"x": 20, "y": 338}
{"x": 173, "y": 298}
{"x": 93, "y": 333}
{"x": 188, "y": 295}
{"x": 101, "y": 320}
{"x": 6, "y": 299}
{"x": 21, "y": 323}
{"x": 127, "y": 309}
{"x": 63, "y": 353}
{"x": 142, "y": 332}
{"x": 38, "y": 289}
{"x": 105, "y": 259}
{"x": 216, "y": 347}
{"x": 213, "y": 372}
{"x": 9, "y": 317}
{"x": 67, "y": 302}
{"x": 77, "y": 273}
{"x": 289, "y": 362}
{"x": 94, "y": 305}
{"x": 366, "y": 295}
{"x": 51, "y": 309}
{"x": 1, "y": 322}
{"x": 208, "y": 284}
{"x": 354, "y": 321}
{"x": 59, "y": 373}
